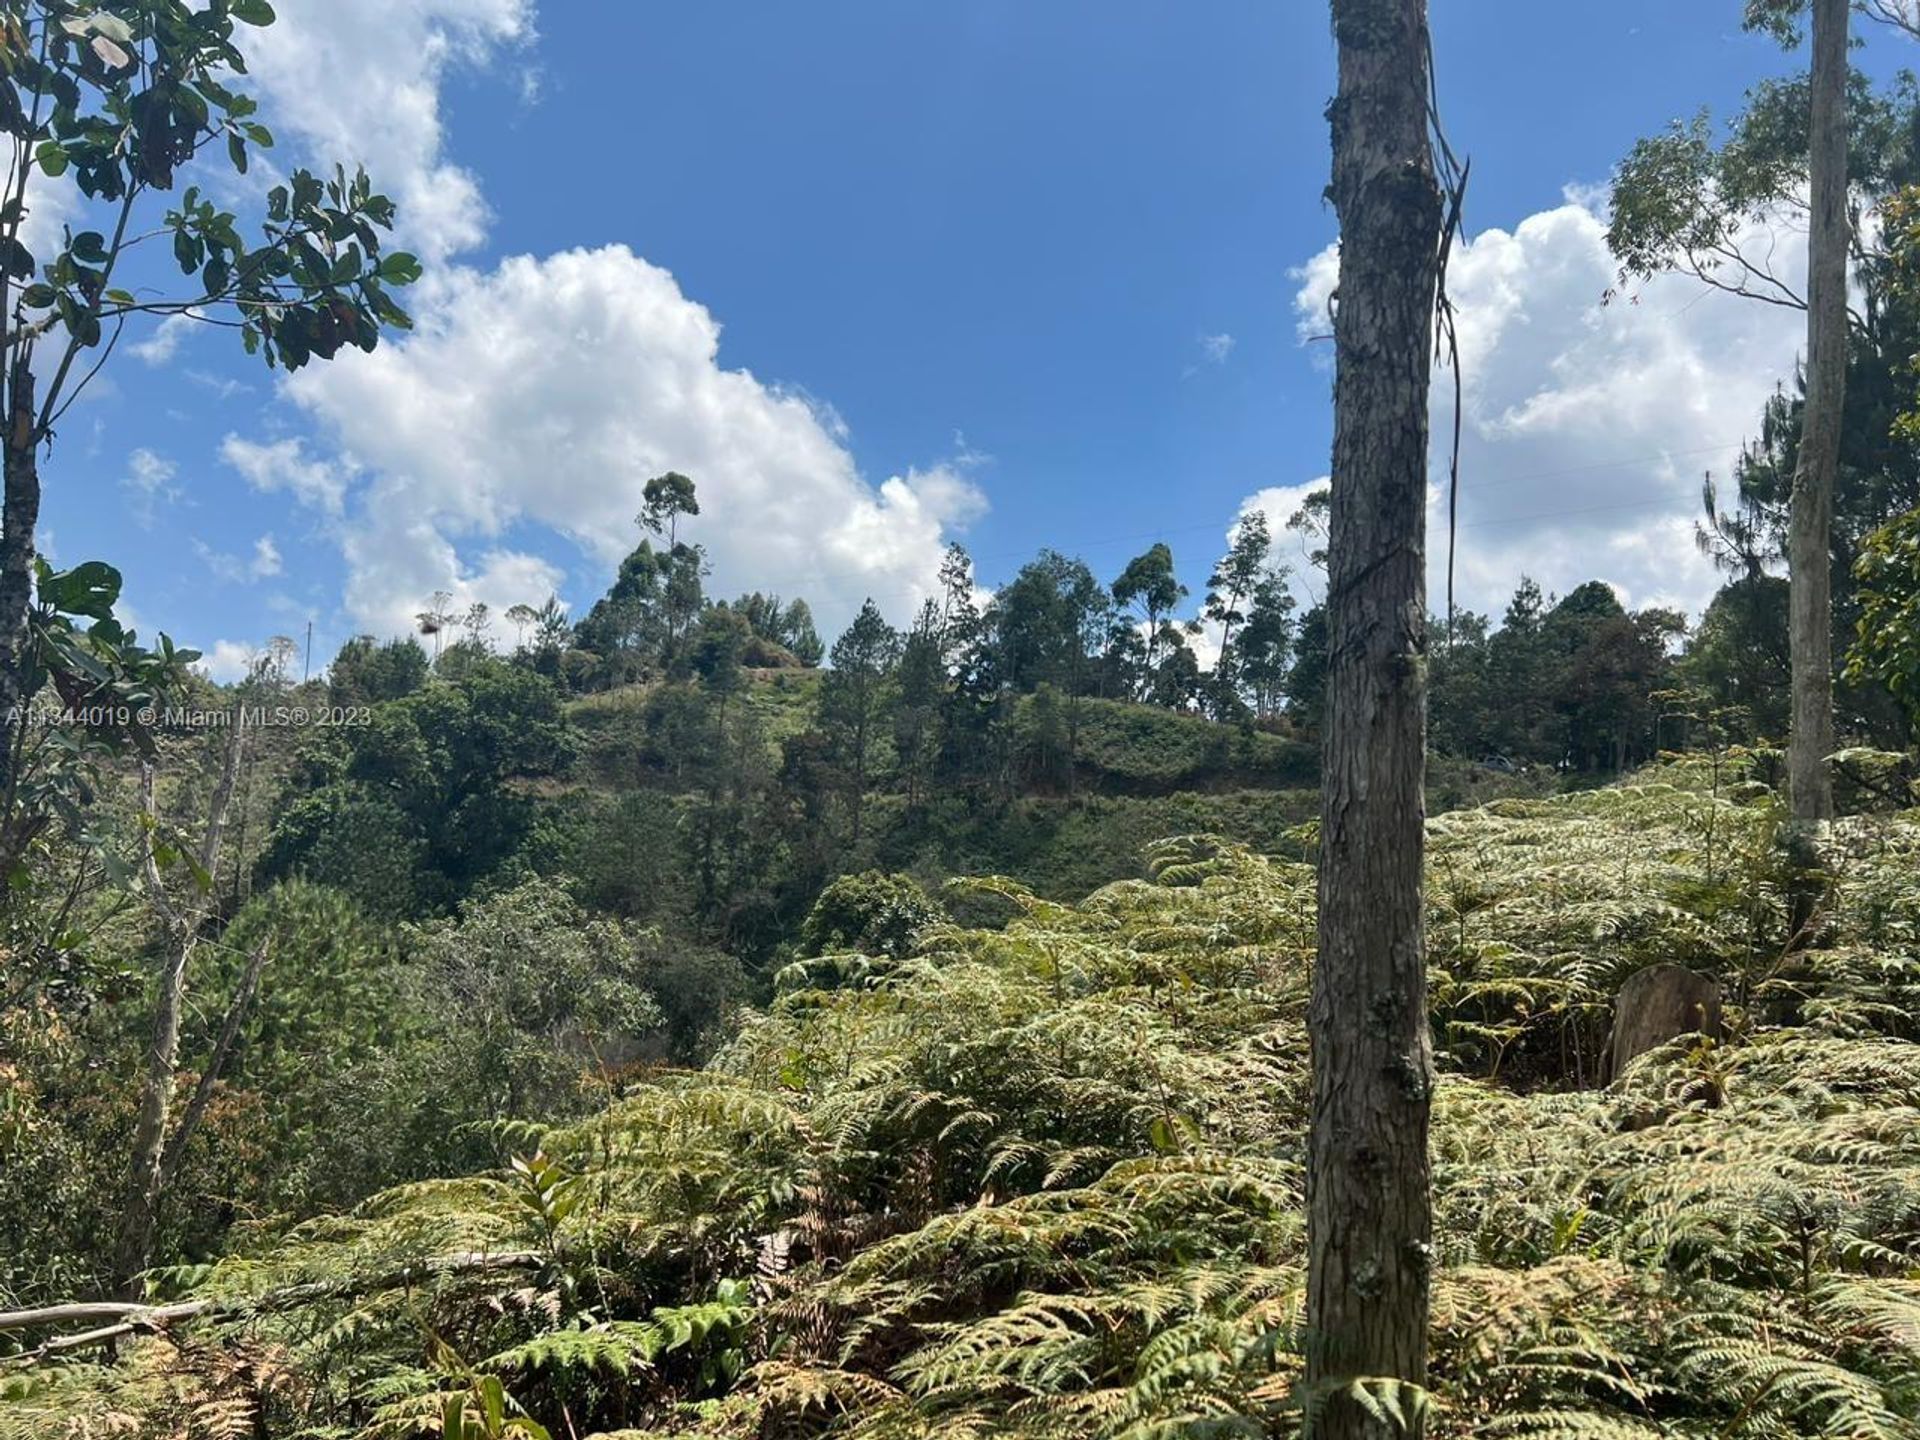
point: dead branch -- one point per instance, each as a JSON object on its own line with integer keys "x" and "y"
{"x": 130, "y": 1318}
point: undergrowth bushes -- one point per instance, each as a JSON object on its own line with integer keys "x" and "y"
{"x": 1045, "y": 1180}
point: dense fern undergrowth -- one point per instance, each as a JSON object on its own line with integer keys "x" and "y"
{"x": 1045, "y": 1179}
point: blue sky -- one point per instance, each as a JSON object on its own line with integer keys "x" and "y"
{"x": 1045, "y": 264}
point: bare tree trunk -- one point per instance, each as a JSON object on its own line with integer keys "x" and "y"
{"x": 1369, "y": 1211}
{"x": 150, "y": 1127}
{"x": 242, "y": 1002}
{"x": 20, "y": 515}
{"x": 1809, "y": 551}
{"x": 181, "y": 926}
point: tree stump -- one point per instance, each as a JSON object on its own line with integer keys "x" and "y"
{"x": 1659, "y": 1004}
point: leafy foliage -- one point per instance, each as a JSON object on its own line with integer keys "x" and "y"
{"x": 424, "y": 786}
{"x": 1888, "y": 644}
{"x": 1044, "y": 1179}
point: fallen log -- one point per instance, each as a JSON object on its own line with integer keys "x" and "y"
{"x": 129, "y": 1317}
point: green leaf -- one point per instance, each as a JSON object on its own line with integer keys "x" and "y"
{"x": 90, "y": 246}
{"x": 237, "y": 151}
{"x": 400, "y": 268}
{"x": 251, "y": 12}
{"x": 52, "y": 156}
{"x": 89, "y": 589}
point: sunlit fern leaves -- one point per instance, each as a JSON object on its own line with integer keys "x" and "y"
{"x": 1045, "y": 1180}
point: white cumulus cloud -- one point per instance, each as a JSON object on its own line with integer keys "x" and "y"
{"x": 541, "y": 396}
{"x": 358, "y": 81}
{"x": 1588, "y": 423}
{"x": 151, "y": 474}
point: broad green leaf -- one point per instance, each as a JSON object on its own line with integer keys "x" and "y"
{"x": 89, "y": 589}
{"x": 400, "y": 268}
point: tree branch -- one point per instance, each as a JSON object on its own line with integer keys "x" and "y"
{"x": 223, "y": 795}
{"x": 217, "y": 1061}
{"x": 149, "y": 863}
{"x": 127, "y": 1317}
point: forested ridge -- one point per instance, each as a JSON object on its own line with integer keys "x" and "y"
{"x": 1088, "y": 1004}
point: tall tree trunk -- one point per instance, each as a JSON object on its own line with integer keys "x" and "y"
{"x": 236, "y": 1017}
{"x": 1810, "y": 554}
{"x": 181, "y": 927}
{"x": 21, "y": 513}
{"x": 141, "y": 1214}
{"x": 1369, "y": 1211}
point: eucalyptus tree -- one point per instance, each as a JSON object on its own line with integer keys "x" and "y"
{"x": 1368, "y": 1173}
{"x": 1150, "y": 585}
{"x": 159, "y": 1141}
{"x": 1263, "y": 648}
{"x": 666, "y": 498}
{"x": 105, "y": 107}
{"x": 434, "y": 620}
{"x": 1810, "y": 561}
{"x": 521, "y": 617}
{"x": 682, "y": 567}
{"x": 1231, "y": 585}
{"x": 1246, "y": 592}
{"x": 1807, "y": 151}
